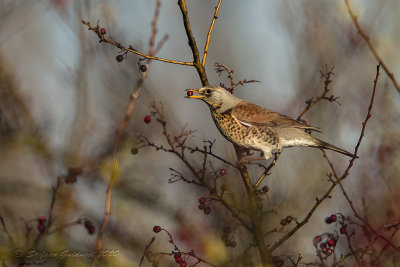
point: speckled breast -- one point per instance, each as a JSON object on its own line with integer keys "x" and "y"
{"x": 253, "y": 137}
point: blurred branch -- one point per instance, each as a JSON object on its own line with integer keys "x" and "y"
{"x": 121, "y": 128}
{"x": 203, "y": 63}
{"x": 10, "y": 239}
{"x": 371, "y": 47}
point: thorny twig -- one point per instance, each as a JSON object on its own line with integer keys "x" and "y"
{"x": 311, "y": 102}
{"x": 219, "y": 68}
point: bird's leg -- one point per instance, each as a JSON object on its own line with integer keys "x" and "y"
{"x": 276, "y": 156}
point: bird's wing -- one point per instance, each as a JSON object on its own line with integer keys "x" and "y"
{"x": 249, "y": 114}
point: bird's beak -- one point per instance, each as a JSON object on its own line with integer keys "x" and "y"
{"x": 191, "y": 95}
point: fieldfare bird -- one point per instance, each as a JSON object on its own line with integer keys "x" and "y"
{"x": 252, "y": 127}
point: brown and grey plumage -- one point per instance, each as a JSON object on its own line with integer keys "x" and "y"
{"x": 253, "y": 127}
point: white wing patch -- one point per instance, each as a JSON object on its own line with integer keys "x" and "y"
{"x": 295, "y": 142}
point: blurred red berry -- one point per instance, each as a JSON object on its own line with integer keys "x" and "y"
{"x": 222, "y": 172}
{"x": 265, "y": 189}
{"x": 189, "y": 93}
{"x": 177, "y": 254}
{"x": 42, "y": 219}
{"x": 41, "y": 227}
{"x": 157, "y": 229}
{"x": 147, "y": 119}
{"x": 331, "y": 242}
{"x": 343, "y": 230}
{"x": 103, "y": 31}
{"x": 183, "y": 264}
{"x": 328, "y": 220}
{"x": 143, "y": 68}
{"x": 316, "y": 240}
{"x": 202, "y": 200}
{"x": 207, "y": 210}
{"x": 178, "y": 259}
{"x": 119, "y": 58}
{"x": 202, "y": 206}
{"x": 329, "y": 252}
{"x": 333, "y": 218}
{"x": 90, "y": 227}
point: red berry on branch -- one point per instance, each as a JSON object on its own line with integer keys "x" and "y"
{"x": 202, "y": 206}
{"x": 119, "y": 58}
{"x": 333, "y": 218}
{"x": 178, "y": 259}
{"x": 222, "y": 172}
{"x": 316, "y": 240}
{"x": 42, "y": 219}
{"x": 157, "y": 229}
{"x": 328, "y": 220}
{"x": 343, "y": 230}
{"x": 331, "y": 242}
{"x": 147, "y": 119}
{"x": 90, "y": 227}
{"x": 143, "y": 68}
{"x": 183, "y": 264}
{"x": 41, "y": 227}
{"x": 265, "y": 189}
{"x": 189, "y": 93}
{"x": 202, "y": 200}
{"x": 177, "y": 254}
{"x": 103, "y": 31}
{"x": 207, "y": 210}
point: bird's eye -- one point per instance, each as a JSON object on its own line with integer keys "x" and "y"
{"x": 208, "y": 91}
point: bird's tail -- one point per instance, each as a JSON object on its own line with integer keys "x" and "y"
{"x": 325, "y": 145}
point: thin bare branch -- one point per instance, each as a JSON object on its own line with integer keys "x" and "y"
{"x": 371, "y": 47}
{"x": 203, "y": 63}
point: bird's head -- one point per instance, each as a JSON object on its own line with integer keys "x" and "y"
{"x": 216, "y": 97}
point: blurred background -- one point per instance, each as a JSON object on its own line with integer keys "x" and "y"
{"x": 63, "y": 95}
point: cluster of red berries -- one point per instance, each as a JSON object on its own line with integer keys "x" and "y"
{"x": 328, "y": 245}
{"x": 331, "y": 219}
{"x": 41, "y": 224}
{"x": 227, "y": 237}
{"x": 73, "y": 175}
{"x": 202, "y": 206}
{"x": 90, "y": 227}
{"x": 179, "y": 259}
